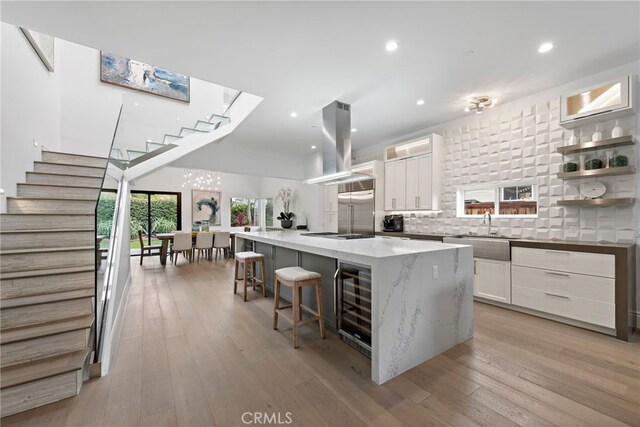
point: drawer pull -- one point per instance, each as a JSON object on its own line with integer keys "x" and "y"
{"x": 557, "y": 252}
{"x": 556, "y": 295}
{"x": 557, "y": 274}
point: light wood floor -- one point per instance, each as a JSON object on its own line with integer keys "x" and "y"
{"x": 192, "y": 354}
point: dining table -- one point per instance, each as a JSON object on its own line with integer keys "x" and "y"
{"x": 166, "y": 238}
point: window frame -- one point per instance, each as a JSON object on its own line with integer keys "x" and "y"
{"x": 497, "y": 188}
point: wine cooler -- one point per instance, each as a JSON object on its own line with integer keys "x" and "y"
{"x": 353, "y": 305}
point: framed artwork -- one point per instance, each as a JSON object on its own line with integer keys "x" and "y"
{"x": 205, "y": 206}
{"x": 43, "y": 44}
{"x": 131, "y": 74}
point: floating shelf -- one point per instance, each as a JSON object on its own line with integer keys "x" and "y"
{"x": 598, "y": 145}
{"x": 595, "y": 173}
{"x": 598, "y": 202}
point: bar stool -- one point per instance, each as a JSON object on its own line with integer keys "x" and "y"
{"x": 296, "y": 278}
{"x": 248, "y": 261}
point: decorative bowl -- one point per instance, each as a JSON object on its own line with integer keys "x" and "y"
{"x": 618, "y": 161}
{"x": 593, "y": 164}
{"x": 570, "y": 167}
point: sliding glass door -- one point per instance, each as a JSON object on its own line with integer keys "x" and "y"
{"x": 153, "y": 212}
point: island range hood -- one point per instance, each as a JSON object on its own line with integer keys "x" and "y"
{"x": 336, "y": 146}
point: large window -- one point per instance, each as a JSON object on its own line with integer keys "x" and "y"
{"x": 251, "y": 212}
{"x": 509, "y": 200}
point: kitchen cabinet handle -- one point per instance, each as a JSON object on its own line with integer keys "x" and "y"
{"x": 475, "y": 270}
{"x": 335, "y": 292}
{"x": 418, "y": 204}
{"x": 556, "y": 295}
{"x": 558, "y": 252}
{"x": 553, "y": 273}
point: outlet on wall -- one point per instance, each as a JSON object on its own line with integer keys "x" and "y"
{"x": 435, "y": 272}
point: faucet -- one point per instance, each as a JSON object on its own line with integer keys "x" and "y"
{"x": 486, "y": 219}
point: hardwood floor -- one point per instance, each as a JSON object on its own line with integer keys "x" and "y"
{"x": 193, "y": 354}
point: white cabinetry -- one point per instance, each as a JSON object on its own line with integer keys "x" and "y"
{"x": 575, "y": 285}
{"x": 395, "y": 185}
{"x": 492, "y": 279}
{"x": 418, "y": 182}
{"x": 413, "y": 175}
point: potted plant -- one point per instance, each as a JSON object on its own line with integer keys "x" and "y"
{"x": 285, "y": 195}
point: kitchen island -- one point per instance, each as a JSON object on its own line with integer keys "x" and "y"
{"x": 421, "y": 292}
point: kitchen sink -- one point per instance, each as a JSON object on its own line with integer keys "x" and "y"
{"x": 498, "y": 248}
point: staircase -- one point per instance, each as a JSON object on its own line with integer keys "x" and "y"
{"x": 47, "y": 275}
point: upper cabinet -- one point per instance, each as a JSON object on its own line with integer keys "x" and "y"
{"x": 413, "y": 175}
{"x": 604, "y": 101}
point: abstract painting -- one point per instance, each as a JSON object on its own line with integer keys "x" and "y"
{"x": 137, "y": 75}
{"x": 205, "y": 206}
{"x": 43, "y": 44}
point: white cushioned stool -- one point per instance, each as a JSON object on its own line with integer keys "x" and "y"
{"x": 296, "y": 278}
{"x": 248, "y": 260}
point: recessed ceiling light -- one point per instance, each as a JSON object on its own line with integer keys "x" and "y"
{"x": 149, "y": 140}
{"x": 354, "y": 130}
{"x": 294, "y": 114}
{"x": 177, "y": 118}
{"x": 313, "y": 147}
{"x": 391, "y": 46}
{"x": 545, "y": 47}
{"x": 420, "y": 102}
{"x": 136, "y": 104}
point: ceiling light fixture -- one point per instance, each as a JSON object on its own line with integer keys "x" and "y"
{"x": 200, "y": 179}
{"x": 391, "y": 46}
{"x": 313, "y": 147}
{"x": 294, "y": 114}
{"x": 545, "y": 47}
{"x": 420, "y": 102}
{"x": 354, "y": 130}
{"x": 479, "y": 103}
{"x": 136, "y": 104}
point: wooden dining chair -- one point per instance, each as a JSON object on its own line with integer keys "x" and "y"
{"x": 204, "y": 243}
{"x": 144, "y": 248}
{"x": 222, "y": 242}
{"x": 182, "y": 243}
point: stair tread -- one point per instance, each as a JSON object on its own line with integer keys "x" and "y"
{"x": 70, "y": 175}
{"x": 22, "y": 373}
{"x": 46, "y": 272}
{"x": 66, "y": 187}
{"x": 71, "y": 165}
{"x": 47, "y": 298}
{"x": 49, "y": 198}
{"x": 54, "y": 230}
{"x": 76, "y": 155}
{"x": 42, "y": 250}
{"x": 46, "y": 329}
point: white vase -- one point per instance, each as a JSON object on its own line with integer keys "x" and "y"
{"x": 583, "y": 160}
{"x": 597, "y": 135}
{"x": 573, "y": 139}
{"x": 617, "y": 131}
{"x": 609, "y": 155}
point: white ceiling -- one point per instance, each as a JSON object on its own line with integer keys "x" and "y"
{"x": 301, "y": 56}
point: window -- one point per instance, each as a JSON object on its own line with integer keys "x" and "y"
{"x": 510, "y": 200}
{"x": 518, "y": 200}
{"x": 250, "y": 212}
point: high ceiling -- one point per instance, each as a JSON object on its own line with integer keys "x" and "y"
{"x": 300, "y": 56}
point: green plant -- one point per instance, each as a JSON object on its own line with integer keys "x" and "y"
{"x": 163, "y": 225}
{"x": 135, "y": 226}
{"x": 104, "y": 228}
{"x": 287, "y": 216}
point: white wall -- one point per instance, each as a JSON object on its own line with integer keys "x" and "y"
{"x": 30, "y": 108}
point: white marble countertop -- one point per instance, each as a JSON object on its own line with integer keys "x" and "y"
{"x": 366, "y": 249}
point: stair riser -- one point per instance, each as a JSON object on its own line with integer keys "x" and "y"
{"x": 16, "y": 206}
{"x": 46, "y": 222}
{"x": 41, "y": 347}
{"x": 46, "y": 260}
{"x": 68, "y": 170}
{"x": 48, "y": 192}
{"x": 43, "y": 313}
{"x": 70, "y": 181}
{"x": 70, "y": 159}
{"x": 28, "y": 286}
{"x": 37, "y": 393}
{"x": 47, "y": 240}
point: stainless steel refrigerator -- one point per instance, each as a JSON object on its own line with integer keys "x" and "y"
{"x": 356, "y": 207}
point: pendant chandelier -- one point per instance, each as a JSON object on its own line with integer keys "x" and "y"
{"x": 479, "y": 103}
{"x": 202, "y": 180}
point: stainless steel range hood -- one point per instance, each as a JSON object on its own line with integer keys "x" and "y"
{"x": 336, "y": 146}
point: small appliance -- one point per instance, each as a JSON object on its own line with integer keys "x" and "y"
{"x": 393, "y": 223}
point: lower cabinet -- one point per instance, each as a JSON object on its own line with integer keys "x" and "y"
{"x": 492, "y": 279}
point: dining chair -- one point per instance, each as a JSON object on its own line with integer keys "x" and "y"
{"x": 222, "y": 242}
{"x": 182, "y": 243}
{"x": 146, "y": 248}
{"x": 204, "y": 243}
